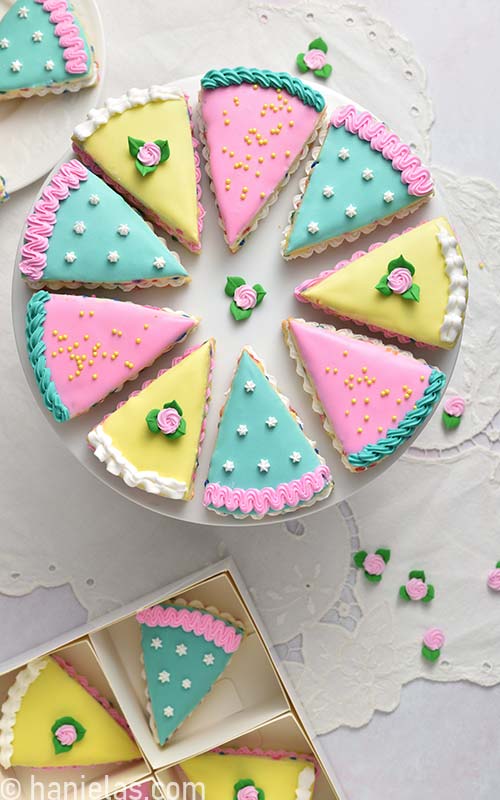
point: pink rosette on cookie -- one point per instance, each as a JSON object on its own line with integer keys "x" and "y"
{"x": 416, "y": 588}
{"x": 66, "y": 734}
{"x": 433, "y": 641}
{"x": 168, "y": 420}
{"x": 400, "y": 280}
{"x": 373, "y": 564}
{"x": 149, "y": 154}
{"x": 247, "y": 790}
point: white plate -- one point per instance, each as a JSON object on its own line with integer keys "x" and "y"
{"x": 37, "y": 128}
{"x": 258, "y": 261}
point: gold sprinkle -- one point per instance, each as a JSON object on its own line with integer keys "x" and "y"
{"x": 227, "y": 188}
{"x": 255, "y": 86}
{"x": 236, "y": 99}
{"x": 119, "y": 334}
{"x": 422, "y": 377}
{"x": 224, "y": 113}
{"x": 360, "y": 430}
{"x": 398, "y": 401}
{"x": 280, "y": 96}
{"x": 380, "y": 429}
{"x": 262, "y": 194}
{"x": 367, "y": 400}
{"x": 245, "y": 189}
{"x": 358, "y": 380}
{"x": 86, "y": 337}
{"x": 94, "y": 376}
{"x": 265, "y": 105}
{"x": 54, "y": 333}
{"x": 345, "y": 353}
{"x": 354, "y": 401}
{"x": 327, "y": 369}
{"x": 366, "y": 417}
{"x": 394, "y": 418}
{"x": 287, "y": 153}
{"x": 70, "y": 377}
{"x": 273, "y": 155}
{"x": 243, "y": 196}
{"x": 335, "y": 370}
{"x": 261, "y": 159}
{"x": 248, "y": 157}
{"x": 81, "y": 358}
{"x": 69, "y": 348}
{"x": 291, "y": 123}
{"x": 262, "y": 113}
{"x": 91, "y": 361}
{"x": 61, "y": 349}
{"x": 257, "y": 174}
{"x": 91, "y": 313}
{"x": 54, "y": 353}
{"x": 364, "y": 369}
{"x": 104, "y": 354}
{"x": 60, "y": 338}
{"x": 289, "y": 108}
{"x": 246, "y": 167}
{"x": 113, "y": 330}
{"x": 346, "y": 381}
{"x": 77, "y": 373}
{"x": 81, "y": 314}
{"x": 146, "y": 326}
{"x": 347, "y": 412}
{"x": 224, "y": 149}
{"x": 227, "y": 122}
{"x": 351, "y": 377}
{"x": 231, "y": 153}
{"x": 407, "y": 396}
{"x": 280, "y": 125}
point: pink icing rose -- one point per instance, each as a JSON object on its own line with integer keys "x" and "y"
{"x": 374, "y": 564}
{"x": 66, "y": 734}
{"x": 494, "y": 579}
{"x": 399, "y": 280}
{"x": 149, "y": 154}
{"x": 168, "y": 420}
{"x": 416, "y": 588}
{"x": 434, "y": 638}
{"x": 454, "y": 406}
{"x": 315, "y": 59}
{"x": 248, "y": 793}
{"x": 245, "y": 297}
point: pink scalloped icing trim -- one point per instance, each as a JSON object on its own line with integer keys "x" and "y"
{"x": 41, "y": 221}
{"x": 362, "y": 123}
{"x": 68, "y": 34}
{"x": 269, "y": 498}
{"x": 193, "y": 621}
{"x": 277, "y": 755}
{"x": 177, "y": 233}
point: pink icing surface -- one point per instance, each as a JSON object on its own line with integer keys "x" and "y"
{"x": 68, "y": 34}
{"x": 237, "y": 214}
{"x": 322, "y": 349}
{"x": 192, "y": 620}
{"x": 384, "y": 141}
{"x": 100, "y": 317}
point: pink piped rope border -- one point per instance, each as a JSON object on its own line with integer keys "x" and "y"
{"x": 68, "y": 34}
{"x": 193, "y": 621}
{"x": 41, "y": 221}
{"x": 269, "y": 498}
{"x": 276, "y": 755}
{"x": 362, "y": 123}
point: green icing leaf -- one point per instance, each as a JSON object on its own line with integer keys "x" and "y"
{"x": 417, "y": 573}
{"x": 260, "y": 291}
{"x": 373, "y": 578}
{"x": 301, "y": 63}
{"x": 430, "y": 655}
{"x": 239, "y": 313}
{"x": 324, "y": 72}
{"x": 151, "y": 420}
{"x": 174, "y": 404}
{"x": 403, "y": 593}
{"x": 232, "y": 283}
{"x": 134, "y": 145}
{"x": 450, "y": 422}
{"x": 400, "y": 262}
{"x": 318, "y": 44}
{"x": 430, "y": 594}
{"x": 382, "y": 286}
{"x": 413, "y": 293}
{"x": 143, "y": 169}
{"x": 359, "y": 558}
{"x": 79, "y": 729}
{"x": 164, "y": 149}
{"x": 385, "y": 553}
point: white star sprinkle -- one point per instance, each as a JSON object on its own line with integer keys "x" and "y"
{"x": 181, "y": 650}
{"x": 313, "y": 227}
{"x": 271, "y": 422}
{"x": 295, "y": 457}
{"x": 79, "y": 227}
{"x": 70, "y": 257}
{"x": 328, "y": 191}
{"x": 242, "y": 430}
{"x": 123, "y": 229}
{"x": 37, "y": 36}
{"x": 159, "y": 262}
{"x": 23, "y": 12}
{"x": 94, "y": 199}
{"x": 208, "y": 659}
{"x": 367, "y": 174}
{"x": 351, "y": 211}
{"x": 249, "y": 386}
{"x": 16, "y": 65}
{"x": 168, "y": 711}
{"x": 4, "y": 43}
{"x": 186, "y": 683}
{"x": 164, "y": 676}
{"x": 263, "y": 465}
{"x": 228, "y": 466}
{"x": 156, "y": 643}
{"x": 113, "y": 257}
{"x": 388, "y": 197}
{"x": 343, "y": 153}
{"x": 49, "y": 65}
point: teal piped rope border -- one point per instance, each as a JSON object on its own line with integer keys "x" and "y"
{"x": 36, "y": 314}
{"x": 372, "y": 453}
{"x": 265, "y": 78}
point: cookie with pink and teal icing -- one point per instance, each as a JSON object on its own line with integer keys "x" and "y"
{"x": 362, "y": 176}
{"x": 43, "y": 48}
{"x": 263, "y": 463}
{"x": 371, "y": 397}
{"x": 83, "y": 348}
{"x": 81, "y": 232}
{"x": 257, "y": 125}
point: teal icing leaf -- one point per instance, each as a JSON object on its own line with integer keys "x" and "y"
{"x": 260, "y": 292}
{"x": 430, "y": 655}
{"x": 151, "y": 420}
{"x": 301, "y": 63}
{"x": 239, "y": 313}
{"x": 324, "y": 72}
{"x": 164, "y": 149}
{"x": 134, "y": 145}
{"x": 385, "y": 553}
{"x": 318, "y": 44}
{"x": 359, "y": 558}
{"x": 400, "y": 263}
{"x": 382, "y": 286}
{"x": 232, "y": 283}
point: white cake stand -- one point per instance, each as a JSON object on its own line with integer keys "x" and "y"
{"x": 258, "y": 261}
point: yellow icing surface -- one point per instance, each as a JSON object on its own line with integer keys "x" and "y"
{"x": 54, "y": 694}
{"x": 169, "y": 191}
{"x": 351, "y": 291}
{"x": 278, "y": 778}
{"x": 186, "y": 383}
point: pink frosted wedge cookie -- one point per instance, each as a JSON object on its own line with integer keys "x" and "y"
{"x": 250, "y": 774}
{"x": 142, "y": 144}
{"x": 263, "y": 463}
{"x": 361, "y": 176}
{"x": 83, "y": 348}
{"x": 44, "y": 49}
{"x": 413, "y": 287}
{"x": 256, "y": 125}
{"x": 81, "y": 232}
{"x": 371, "y": 397}
{"x": 52, "y": 718}
{"x": 153, "y": 440}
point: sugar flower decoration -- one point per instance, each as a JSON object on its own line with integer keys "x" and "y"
{"x": 373, "y": 564}
{"x": 453, "y": 410}
{"x": 167, "y": 420}
{"x": 245, "y": 297}
{"x": 494, "y": 578}
{"x": 416, "y": 588}
{"x": 432, "y": 643}
{"x": 148, "y": 155}
{"x": 66, "y": 731}
{"x": 399, "y": 280}
{"x": 315, "y": 59}
{"x": 246, "y": 789}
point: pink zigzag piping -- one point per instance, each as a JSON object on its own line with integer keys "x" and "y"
{"x": 269, "y": 498}
{"x": 42, "y": 219}
{"x": 276, "y": 755}
{"x": 68, "y": 34}
{"x": 193, "y": 621}
{"x": 384, "y": 141}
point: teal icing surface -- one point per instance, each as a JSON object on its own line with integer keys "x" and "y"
{"x": 136, "y": 251}
{"x": 34, "y": 55}
{"x": 35, "y": 322}
{"x": 261, "y": 442}
{"x": 394, "y": 437}
{"x": 350, "y": 188}
{"x": 265, "y": 78}
{"x": 179, "y": 668}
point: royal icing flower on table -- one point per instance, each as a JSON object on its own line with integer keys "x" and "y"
{"x": 315, "y": 59}
{"x": 494, "y": 578}
{"x": 399, "y": 280}
{"x": 432, "y": 643}
{"x": 247, "y": 790}
{"x": 416, "y": 588}
{"x": 453, "y": 410}
{"x": 373, "y": 564}
{"x": 245, "y": 297}
{"x": 148, "y": 155}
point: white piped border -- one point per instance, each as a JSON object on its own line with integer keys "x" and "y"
{"x": 457, "y": 292}
{"x": 12, "y": 704}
